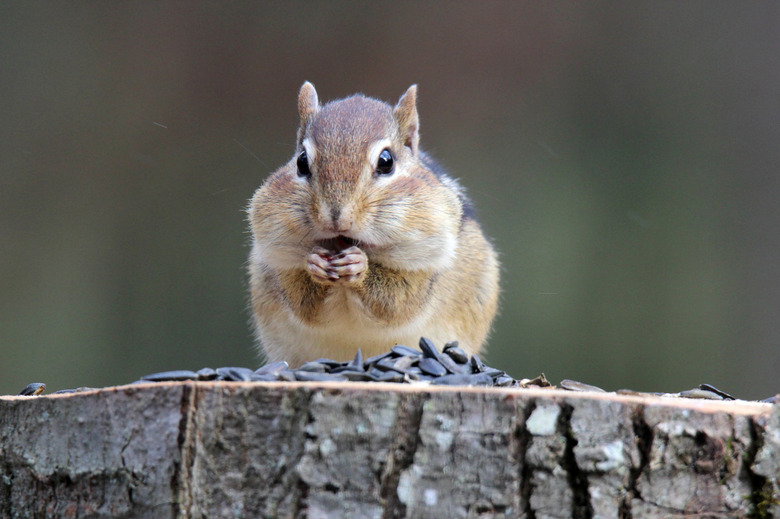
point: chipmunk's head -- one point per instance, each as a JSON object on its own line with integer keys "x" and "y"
{"x": 356, "y": 156}
{"x": 358, "y": 178}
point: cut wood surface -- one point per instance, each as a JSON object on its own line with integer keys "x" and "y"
{"x": 370, "y": 450}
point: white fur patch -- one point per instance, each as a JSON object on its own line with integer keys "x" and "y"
{"x": 376, "y": 149}
{"x": 311, "y": 150}
{"x": 417, "y": 252}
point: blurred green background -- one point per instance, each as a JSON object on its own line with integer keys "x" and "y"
{"x": 624, "y": 158}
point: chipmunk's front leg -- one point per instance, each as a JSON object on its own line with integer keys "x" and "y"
{"x": 347, "y": 267}
{"x": 388, "y": 295}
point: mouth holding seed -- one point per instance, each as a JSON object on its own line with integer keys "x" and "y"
{"x": 339, "y": 243}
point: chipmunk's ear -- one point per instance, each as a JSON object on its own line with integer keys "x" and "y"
{"x": 405, "y": 114}
{"x": 308, "y": 106}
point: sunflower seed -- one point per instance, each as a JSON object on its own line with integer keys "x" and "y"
{"x": 376, "y": 358}
{"x": 287, "y": 376}
{"x": 263, "y": 378}
{"x": 573, "y": 385}
{"x": 387, "y": 376}
{"x": 504, "y": 381}
{"x": 385, "y": 365}
{"x": 457, "y": 354}
{"x": 348, "y": 368}
{"x": 450, "y": 364}
{"x": 356, "y": 376}
{"x": 330, "y": 363}
{"x": 34, "y": 389}
{"x": 428, "y": 348}
{"x": 452, "y": 380}
{"x": 358, "y": 360}
{"x": 477, "y": 365}
{"x": 166, "y": 376}
{"x": 314, "y": 367}
{"x": 274, "y": 368}
{"x": 401, "y": 350}
{"x": 540, "y": 381}
{"x": 707, "y": 387}
{"x": 235, "y": 374}
{"x": 311, "y": 376}
{"x": 700, "y": 394}
{"x": 207, "y": 374}
{"x": 411, "y": 377}
{"x": 403, "y": 364}
{"x": 478, "y": 379}
{"x": 481, "y": 379}
{"x": 432, "y": 367}
{"x": 449, "y": 345}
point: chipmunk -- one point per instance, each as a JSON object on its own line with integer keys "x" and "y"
{"x": 362, "y": 241}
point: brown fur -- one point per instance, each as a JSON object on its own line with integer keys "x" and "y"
{"x": 348, "y": 258}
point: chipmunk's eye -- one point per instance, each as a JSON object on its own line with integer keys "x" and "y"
{"x": 386, "y": 163}
{"x": 303, "y": 164}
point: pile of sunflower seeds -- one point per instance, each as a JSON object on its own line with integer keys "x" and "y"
{"x": 450, "y": 367}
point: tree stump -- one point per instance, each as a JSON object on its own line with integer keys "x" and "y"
{"x": 370, "y": 450}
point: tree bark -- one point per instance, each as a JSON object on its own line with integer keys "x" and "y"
{"x": 224, "y": 449}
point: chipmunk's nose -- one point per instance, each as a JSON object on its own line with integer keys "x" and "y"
{"x": 335, "y": 213}
{"x": 340, "y": 220}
